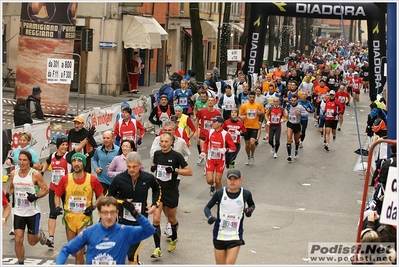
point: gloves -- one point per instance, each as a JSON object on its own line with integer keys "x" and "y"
{"x": 57, "y": 211}
{"x": 31, "y": 197}
{"x": 169, "y": 169}
{"x": 91, "y": 132}
{"x": 211, "y": 219}
{"x": 268, "y": 122}
{"x": 202, "y": 155}
{"x": 130, "y": 207}
{"x": 139, "y": 141}
{"x": 89, "y": 210}
{"x": 153, "y": 168}
{"x": 222, "y": 150}
{"x": 237, "y": 132}
{"x": 248, "y": 212}
{"x": 8, "y": 197}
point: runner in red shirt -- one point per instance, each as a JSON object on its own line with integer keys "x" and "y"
{"x": 235, "y": 127}
{"x": 343, "y": 98}
{"x": 216, "y": 144}
{"x": 128, "y": 128}
{"x": 356, "y": 84}
{"x": 204, "y": 117}
{"x": 331, "y": 110}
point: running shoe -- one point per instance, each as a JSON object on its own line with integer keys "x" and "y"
{"x": 275, "y": 155}
{"x": 339, "y": 128}
{"x": 172, "y": 245}
{"x": 50, "y": 241}
{"x": 212, "y": 190}
{"x": 157, "y": 253}
{"x": 266, "y": 137}
{"x": 248, "y": 161}
{"x": 43, "y": 238}
{"x": 296, "y": 154}
{"x": 300, "y": 145}
{"x": 168, "y": 230}
{"x": 11, "y": 231}
{"x": 334, "y": 137}
{"x": 252, "y": 161}
{"x": 326, "y": 147}
{"x": 272, "y": 151}
{"x": 140, "y": 263}
{"x": 289, "y": 159}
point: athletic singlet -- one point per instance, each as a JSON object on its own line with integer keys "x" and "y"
{"x": 22, "y": 185}
{"x": 78, "y": 196}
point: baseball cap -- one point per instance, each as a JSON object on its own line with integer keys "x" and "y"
{"x": 233, "y": 173}
{"x": 218, "y": 119}
{"x": 79, "y": 119}
{"x": 355, "y": 73}
{"x": 332, "y": 92}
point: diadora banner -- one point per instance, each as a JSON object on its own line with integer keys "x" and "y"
{"x": 353, "y": 11}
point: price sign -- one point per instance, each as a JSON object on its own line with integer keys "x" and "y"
{"x": 234, "y": 54}
{"x": 60, "y": 70}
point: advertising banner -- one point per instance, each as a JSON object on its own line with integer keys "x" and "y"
{"x": 45, "y": 28}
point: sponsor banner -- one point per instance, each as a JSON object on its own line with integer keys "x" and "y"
{"x": 389, "y": 210}
{"x": 45, "y": 27}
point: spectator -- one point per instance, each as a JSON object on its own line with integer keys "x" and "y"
{"x": 21, "y": 113}
{"x": 33, "y": 104}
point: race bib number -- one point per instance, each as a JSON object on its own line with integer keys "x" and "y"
{"x": 230, "y": 223}
{"x": 77, "y": 204}
{"x": 341, "y": 99}
{"x": 251, "y": 113}
{"x": 128, "y": 137}
{"x": 275, "y": 119}
{"x": 228, "y": 106}
{"x": 365, "y": 74}
{"x": 321, "y": 97}
{"x": 162, "y": 174}
{"x": 293, "y": 118}
{"x": 183, "y": 101}
{"x": 56, "y": 176}
{"x": 22, "y": 201}
{"x": 215, "y": 154}
{"x": 127, "y": 215}
{"x": 330, "y": 113}
{"x": 355, "y": 86}
{"x": 234, "y": 136}
{"x": 207, "y": 124}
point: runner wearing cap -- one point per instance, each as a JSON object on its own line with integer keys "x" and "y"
{"x": 203, "y": 123}
{"x": 331, "y": 111}
{"x": 128, "y": 128}
{"x": 119, "y": 115}
{"x": 77, "y": 135}
{"x": 161, "y": 113}
{"x": 343, "y": 97}
{"x": 274, "y": 116}
{"x": 234, "y": 201}
{"x": 216, "y": 144}
{"x": 59, "y": 161}
{"x": 79, "y": 188}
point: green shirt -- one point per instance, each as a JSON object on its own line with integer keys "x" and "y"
{"x": 200, "y": 105}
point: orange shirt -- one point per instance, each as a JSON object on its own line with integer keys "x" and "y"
{"x": 252, "y": 118}
{"x": 277, "y": 73}
{"x": 265, "y": 86}
{"x": 320, "y": 92}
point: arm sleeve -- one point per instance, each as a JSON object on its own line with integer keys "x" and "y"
{"x": 220, "y": 101}
{"x": 151, "y": 117}
{"x": 248, "y": 199}
{"x": 215, "y": 199}
{"x": 154, "y": 147}
{"x": 71, "y": 247}
{"x": 190, "y": 124}
{"x": 141, "y": 128}
{"x": 97, "y": 187}
{"x": 95, "y": 161}
{"x": 111, "y": 169}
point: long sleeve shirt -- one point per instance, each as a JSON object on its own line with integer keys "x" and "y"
{"x": 101, "y": 159}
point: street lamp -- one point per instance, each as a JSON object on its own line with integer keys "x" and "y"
{"x": 80, "y": 61}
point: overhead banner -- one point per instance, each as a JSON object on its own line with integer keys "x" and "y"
{"x": 354, "y": 11}
{"x": 45, "y": 28}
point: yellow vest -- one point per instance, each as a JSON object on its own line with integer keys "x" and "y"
{"x": 78, "y": 195}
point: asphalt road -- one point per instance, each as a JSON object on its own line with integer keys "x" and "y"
{"x": 316, "y": 198}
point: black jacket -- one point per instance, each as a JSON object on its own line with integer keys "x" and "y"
{"x": 21, "y": 115}
{"x": 39, "y": 112}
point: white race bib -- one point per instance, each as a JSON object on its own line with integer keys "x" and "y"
{"x": 215, "y": 153}
{"x": 56, "y": 176}
{"x": 162, "y": 174}
{"x": 251, "y": 113}
{"x": 207, "y": 124}
{"x": 22, "y": 201}
{"x": 127, "y": 215}
{"x": 77, "y": 204}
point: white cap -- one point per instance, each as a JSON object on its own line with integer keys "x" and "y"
{"x": 332, "y": 92}
{"x": 355, "y": 73}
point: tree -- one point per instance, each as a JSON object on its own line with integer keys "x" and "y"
{"x": 224, "y": 40}
{"x": 198, "y": 50}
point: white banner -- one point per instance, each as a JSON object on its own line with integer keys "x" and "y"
{"x": 234, "y": 55}
{"x": 389, "y": 210}
{"x": 40, "y": 137}
{"x": 60, "y": 70}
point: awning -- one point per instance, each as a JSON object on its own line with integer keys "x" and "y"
{"x": 210, "y": 30}
{"x": 142, "y": 32}
{"x": 189, "y": 32}
{"x": 237, "y": 27}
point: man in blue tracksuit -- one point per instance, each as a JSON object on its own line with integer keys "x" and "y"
{"x": 103, "y": 157}
{"x": 107, "y": 241}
